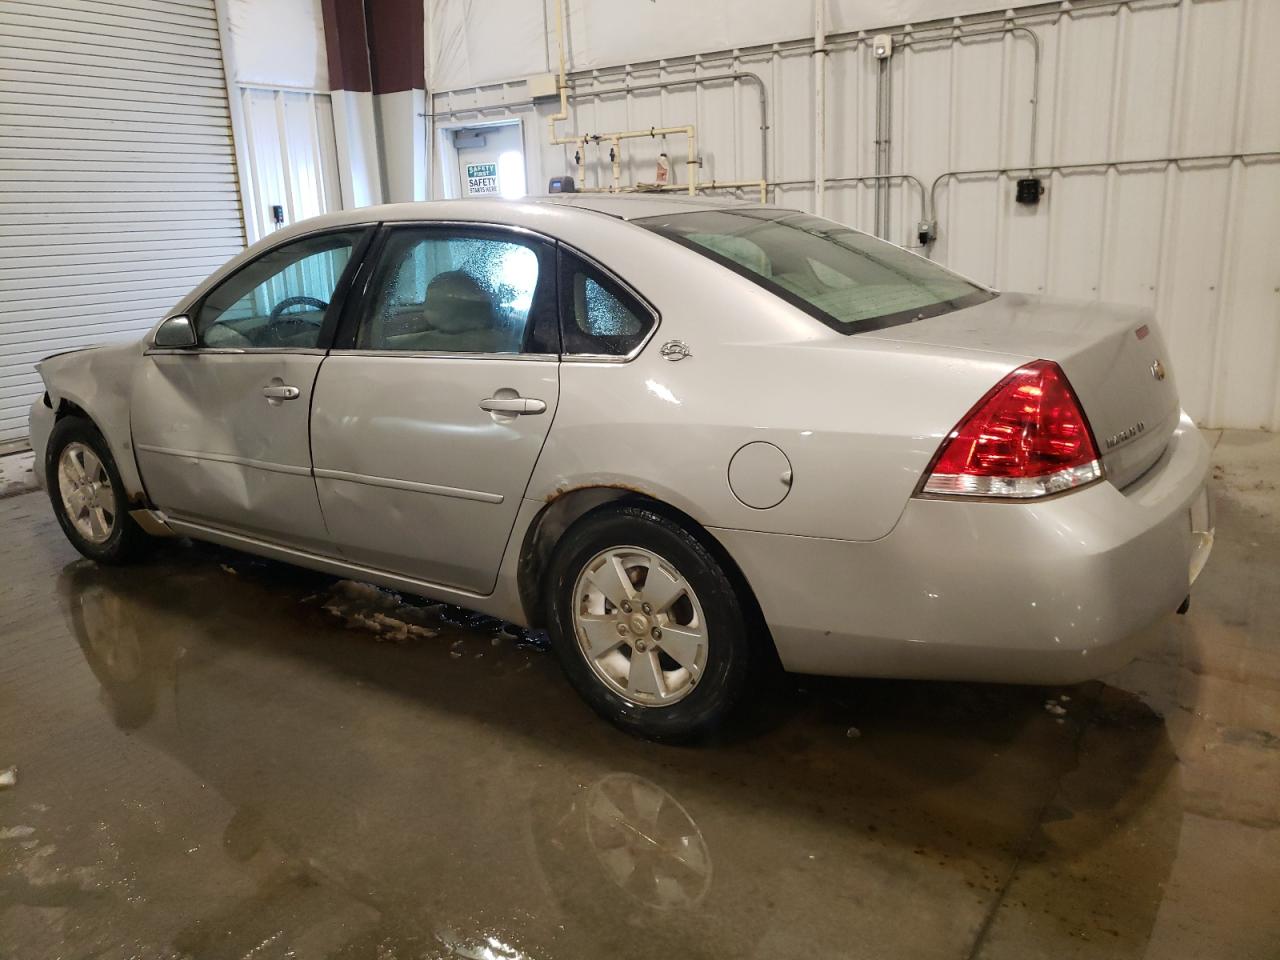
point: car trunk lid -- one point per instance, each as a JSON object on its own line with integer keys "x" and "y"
{"x": 1113, "y": 356}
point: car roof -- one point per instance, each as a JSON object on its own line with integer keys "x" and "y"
{"x": 633, "y": 206}
{"x": 620, "y": 206}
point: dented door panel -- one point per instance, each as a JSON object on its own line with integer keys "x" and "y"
{"x": 214, "y": 449}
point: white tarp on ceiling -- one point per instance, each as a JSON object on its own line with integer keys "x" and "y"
{"x": 279, "y": 43}
{"x": 471, "y": 44}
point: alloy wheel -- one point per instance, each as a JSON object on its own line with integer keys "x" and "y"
{"x": 640, "y": 626}
{"x": 86, "y": 492}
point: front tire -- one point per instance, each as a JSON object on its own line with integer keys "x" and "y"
{"x": 647, "y": 625}
{"x": 87, "y": 494}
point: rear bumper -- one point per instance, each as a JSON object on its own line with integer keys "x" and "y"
{"x": 1051, "y": 592}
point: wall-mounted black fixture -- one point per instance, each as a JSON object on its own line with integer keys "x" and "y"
{"x": 1030, "y": 191}
{"x": 561, "y": 185}
{"x": 277, "y": 215}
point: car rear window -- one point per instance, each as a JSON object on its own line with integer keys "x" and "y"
{"x": 851, "y": 282}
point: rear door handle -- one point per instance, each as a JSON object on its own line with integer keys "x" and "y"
{"x": 281, "y": 392}
{"x": 513, "y": 405}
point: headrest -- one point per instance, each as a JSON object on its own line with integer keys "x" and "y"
{"x": 456, "y": 303}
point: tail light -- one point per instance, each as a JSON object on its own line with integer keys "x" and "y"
{"x": 1028, "y": 437}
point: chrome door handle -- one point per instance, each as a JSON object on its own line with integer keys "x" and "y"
{"x": 281, "y": 392}
{"x": 513, "y": 405}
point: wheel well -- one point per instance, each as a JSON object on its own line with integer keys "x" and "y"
{"x": 569, "y": 508}
{"x": 68, "y": 409}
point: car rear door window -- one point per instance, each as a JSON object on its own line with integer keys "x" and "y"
{"x": 599, "y": 317}
{"x": 440, "y": 291}
{"x": 280, "y": 300}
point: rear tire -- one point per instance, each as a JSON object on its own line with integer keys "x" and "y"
{"x": 647, "y": 626}
{"x": 87, "y": 494}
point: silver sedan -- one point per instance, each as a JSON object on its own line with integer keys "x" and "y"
{"x": 691, "y": 438}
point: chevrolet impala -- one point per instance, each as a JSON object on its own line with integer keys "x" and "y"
{"x": 691, "y": 438}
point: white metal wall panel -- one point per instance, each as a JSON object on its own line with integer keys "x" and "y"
{"x": 475, "y": 43}
{"x": 118, "y": 186}
{"x": 292, "y": 155}
{"x": 1141, "y": 80}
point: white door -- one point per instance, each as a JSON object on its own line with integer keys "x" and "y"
{"x": 119, "y": 179}
{"x": 490, "y": 161}
{"x": 425, "y": 432}
{"x": 293, "y": 158}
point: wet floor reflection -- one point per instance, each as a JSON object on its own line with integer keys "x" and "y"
{"x": 646, "y": 842}
{"x": 395, "y": 785}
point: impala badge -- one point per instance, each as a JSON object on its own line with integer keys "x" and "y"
{"x": 1157, "y": 370}
{"x": 1118, "y": 438}
{"x": 674, "y": 350}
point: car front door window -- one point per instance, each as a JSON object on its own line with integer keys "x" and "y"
{"x": 280, "y": 300}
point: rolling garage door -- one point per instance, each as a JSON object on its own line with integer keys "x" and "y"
{"x": 117, "y": 175}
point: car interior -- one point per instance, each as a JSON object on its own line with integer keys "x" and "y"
{"x": 457, "y": 315}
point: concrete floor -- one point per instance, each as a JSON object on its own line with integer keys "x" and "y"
{"x": 220, "y": 757}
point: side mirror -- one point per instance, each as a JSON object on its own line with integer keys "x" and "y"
{"x": 175, "y": 334}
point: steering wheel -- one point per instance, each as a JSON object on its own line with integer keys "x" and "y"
{"x": 288, "y": 302}
{"x": 278, "y": 326}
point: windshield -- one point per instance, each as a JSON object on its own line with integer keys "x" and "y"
{"x": 850, "y": 281}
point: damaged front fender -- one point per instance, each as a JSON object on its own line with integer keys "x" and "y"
{"x": 98, "y": 383}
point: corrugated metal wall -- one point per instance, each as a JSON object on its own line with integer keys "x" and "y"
{"x": 118, "y": 186}
{"x": 1119, "y": 84}
{"x": 292, "y": 156}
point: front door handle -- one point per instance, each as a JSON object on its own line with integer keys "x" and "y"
{"x": 513, "y": 405}
{"x": 280, "y": 391}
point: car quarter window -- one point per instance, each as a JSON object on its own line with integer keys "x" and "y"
{"x": 280, "y": 300}
{"x": 599, "y": 317}
{"x": 444, "y": 290}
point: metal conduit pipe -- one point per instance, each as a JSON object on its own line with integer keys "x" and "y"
{"x": 884, "y": 129}
{"x": 884, "y": 92}
{"x": 1095, "y": 165}
{"x": 888, "y": 144}
{"x": 819, "y": 104}
{"x": 877, "y": 179}
{"x": 956, "y": 35}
